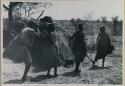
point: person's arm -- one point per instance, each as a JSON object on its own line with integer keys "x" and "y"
{"x": 30, "y": 39}
{"x": 109, "y": 40}
{"x": 98, "y": 37}
{"x": 37, "y": 32}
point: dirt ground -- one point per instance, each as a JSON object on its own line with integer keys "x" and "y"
{"x": 111, "y": 74}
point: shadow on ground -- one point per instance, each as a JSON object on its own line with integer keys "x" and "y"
{"x": 95, "y": 67}
{"x": 37, "y": 69}
{"x": 16, "y": 81}
{"x": 41, "y": 77}
{"x": 71, "y": 74}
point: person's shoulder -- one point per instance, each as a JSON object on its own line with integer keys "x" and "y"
{"x": 106, "y": 34}
{"x": 27, "y": 29}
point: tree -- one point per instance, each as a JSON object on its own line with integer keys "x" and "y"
{"x": 7, "y": 35}
{"x": 73, "y": 21}
{"x": 76, "y": 22}
{"x": 104, "y": 19}
{"x": 98, "y": 20}
{"x": 27, "y": 9}
{"x": 22, "y": 10}
{"x": 10, "y": 12}
{"x": 115, "y": 24}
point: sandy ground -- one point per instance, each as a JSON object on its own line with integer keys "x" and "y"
{"x": 111, "y": 74}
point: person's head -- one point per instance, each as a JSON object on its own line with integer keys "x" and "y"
{"x": 47, "y": 24}
{"x": 80, "y": 27}
{"x": 102, "y": 29}
{"x": 47, "y": 19}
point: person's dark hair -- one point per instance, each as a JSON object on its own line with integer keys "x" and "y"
{"x": 102, "y": 28}
{"x": 49, "y": 23}
{"x": 80, "y": 27}
{"x": 46, "y": 19}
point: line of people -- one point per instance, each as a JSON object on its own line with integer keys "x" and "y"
{"x": 31, "y": 44}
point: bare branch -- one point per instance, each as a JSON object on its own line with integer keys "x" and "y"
{"x": 6, "y": 7}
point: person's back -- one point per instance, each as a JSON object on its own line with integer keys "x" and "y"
{"x": 26, "y": 37}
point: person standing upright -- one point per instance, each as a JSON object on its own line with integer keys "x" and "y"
{"x": 104, "y": 46}
{"x": 79, "y": 46}
{"x": 45, "y": 49}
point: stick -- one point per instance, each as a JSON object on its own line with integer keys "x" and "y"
{"x": 40, "y": 15}
{"x": 89, "y": 58}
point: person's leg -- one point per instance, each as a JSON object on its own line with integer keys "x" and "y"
{"x": 96, "y": 59}
{"x": 27, "y": 67}
{"x": 48, "y": 73}
{"x": 55, "y": 71}
{"x": 77, "y": 66}
{"x": 103, "y": 61}
{"x": 28, "y": 63}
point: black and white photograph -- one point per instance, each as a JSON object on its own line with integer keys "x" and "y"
{"x": 62, "y": 42}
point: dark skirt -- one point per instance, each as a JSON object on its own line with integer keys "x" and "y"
{"x": 49, "y": 54}
{"x": 17, "y": 52}
{"x": 44, "y": 53}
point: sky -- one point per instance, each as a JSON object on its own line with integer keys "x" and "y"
{"x": 66, "y": 9}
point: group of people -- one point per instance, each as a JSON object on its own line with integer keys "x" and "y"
{"x": 32, "y": 43}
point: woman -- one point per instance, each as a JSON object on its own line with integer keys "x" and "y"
{"x": 18, "y": 48}
{"x": 45, "y": 54}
